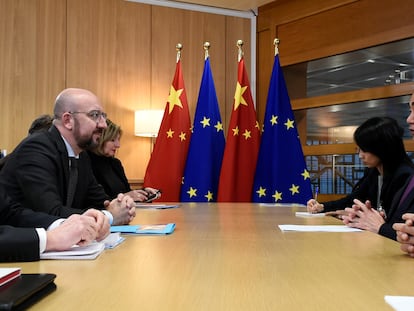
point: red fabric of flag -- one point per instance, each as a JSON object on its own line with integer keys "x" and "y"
{"x": 242, "y": 145}
{"x": 166, "y": 165}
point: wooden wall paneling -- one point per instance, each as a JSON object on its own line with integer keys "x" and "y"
{"x": 109, "y": 54}
{"x": 349, "y": 27}
{"x": 29, "y": 74}
{"x": 133, "y": 82}
{"x": 354, "y": 96}
{"x": 265, "y": 51}
{"x": 91, "y": 47}
{"x": 284, "y": 11}
{"x": 50, "y": 53}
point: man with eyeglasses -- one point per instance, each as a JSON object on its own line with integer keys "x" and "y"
{"x": 38, "y": 173}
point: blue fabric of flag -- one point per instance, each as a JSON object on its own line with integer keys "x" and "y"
{"x": 205, "y": 154}
{"x": 281, "y": 175}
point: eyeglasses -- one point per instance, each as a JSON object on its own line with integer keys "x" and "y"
{"x": 95, "y": 115}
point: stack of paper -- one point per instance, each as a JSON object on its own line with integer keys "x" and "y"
{"x": 323, "y": 228}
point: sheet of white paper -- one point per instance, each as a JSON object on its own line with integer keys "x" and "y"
{"x": 400, "y": 303}
{"x": 283, "y": 204}
{"x": 323, "y": 228}
{"x": 306, "y": 214}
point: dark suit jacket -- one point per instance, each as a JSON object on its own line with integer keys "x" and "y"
{"x": 396, "y": 211}
{"x": 110, "y": 173}
{"x": 18, "y": 238}
{"x": 365, "y": 189}
{"x": 37, "y": 173}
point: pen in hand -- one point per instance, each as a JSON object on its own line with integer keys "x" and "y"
{"x": 315, "y": 195}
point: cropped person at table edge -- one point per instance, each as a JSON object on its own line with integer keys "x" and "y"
{"x": 405, "y": 230}
{"x": 25, "y": 234}
{"x": 109, "y": 171}
{"x": 49, "y": 171}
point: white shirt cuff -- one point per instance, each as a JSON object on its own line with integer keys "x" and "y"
{"x": 42, "y": 239}
{"x": 109, "y": 215}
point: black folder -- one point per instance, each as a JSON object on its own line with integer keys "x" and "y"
{"x": 25, "y": 290}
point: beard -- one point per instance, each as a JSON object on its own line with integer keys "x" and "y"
{"x": 85, "y": 141}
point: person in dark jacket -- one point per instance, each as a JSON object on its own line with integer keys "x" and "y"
{"x": 109, "y": 171}
{"x": 51, "y": 172}
{"x": 381, "y": 146}
{"x": 25, "y": 234}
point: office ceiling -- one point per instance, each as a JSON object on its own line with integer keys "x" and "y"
{"x": 387, "y": 64}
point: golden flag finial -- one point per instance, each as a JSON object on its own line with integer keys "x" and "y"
{"x": 206, "y": 46}
{"x": 178, "y": 48}
{"x": 276, "y": 42}
{"x": 239, "y": 46}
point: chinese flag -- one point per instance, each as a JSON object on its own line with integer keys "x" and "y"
{"x": 243, "y": 139}
{"x": 166, "y": 165}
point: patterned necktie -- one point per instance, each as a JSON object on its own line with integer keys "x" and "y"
{"x": 73, "y": 180}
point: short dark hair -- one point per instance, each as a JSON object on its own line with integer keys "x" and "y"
{"x": 41, "y": 123}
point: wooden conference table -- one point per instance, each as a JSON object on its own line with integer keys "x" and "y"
{"x": 229, "y": 256}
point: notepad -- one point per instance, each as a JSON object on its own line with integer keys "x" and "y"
{"x": 8, "y": 274}
{"x": 113, "y": 240}
{"x": 90, "y": 251}
{"x": 145, "y": 229}
{"x": 155, "y": 206}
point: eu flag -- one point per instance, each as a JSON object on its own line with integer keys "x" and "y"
{"x": 281, "y": 174}
{"x": 205, "y": 154}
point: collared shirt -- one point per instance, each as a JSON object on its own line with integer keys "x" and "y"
{"x": 71, "y": 153}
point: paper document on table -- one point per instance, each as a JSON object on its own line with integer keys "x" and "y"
{"x": 307, "y": 214}
{"x": 90, "y": 251}
{"x": 400, "y": 303}
{"x": 322, "y": 228}
{"x": 113, "y": 240}
{"x": 283, "y": 204}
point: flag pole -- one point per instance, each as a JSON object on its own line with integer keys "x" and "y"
{"x": 206, "y": 46}
{"x": 239, "y": 46}
{"x": 178, "y": 48}
{"x": 276, "y": 42}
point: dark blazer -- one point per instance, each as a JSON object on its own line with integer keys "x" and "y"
{"x": 110, "y": 173}
{"x": 37, "y": 172}
{"x": 19, "y": 240}
{"x": 368, "y": 187}
{"x": 365, "y": 189}
{"x": 396, "y": 211}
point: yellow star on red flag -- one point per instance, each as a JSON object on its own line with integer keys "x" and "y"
{"x": 174, "y": 98}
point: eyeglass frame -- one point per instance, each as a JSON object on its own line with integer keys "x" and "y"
{"x": 94, "y": 115}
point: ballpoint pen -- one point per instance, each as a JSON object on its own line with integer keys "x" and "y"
{"x": 315, "y": 196}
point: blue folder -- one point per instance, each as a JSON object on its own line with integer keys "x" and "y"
{"x": 145, "y": 229}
